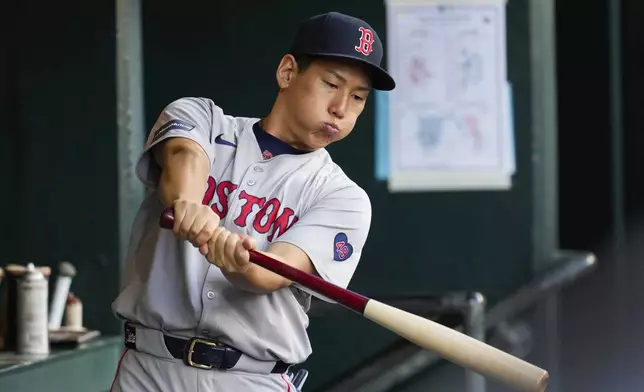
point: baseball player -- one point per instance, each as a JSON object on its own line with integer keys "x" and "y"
{"x": 198, "y": 315}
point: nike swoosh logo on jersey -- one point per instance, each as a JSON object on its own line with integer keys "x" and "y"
{"x": 219, "y": 140}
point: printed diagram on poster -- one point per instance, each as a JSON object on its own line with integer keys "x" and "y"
{"x": 448, "y": 121}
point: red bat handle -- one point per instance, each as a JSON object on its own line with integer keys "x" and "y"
{"x": 349, "y": 299}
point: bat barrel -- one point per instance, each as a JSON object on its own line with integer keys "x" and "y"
{"x": 459, "y": 348}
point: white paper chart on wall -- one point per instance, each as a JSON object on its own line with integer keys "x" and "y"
{"x": 449, "y": 125}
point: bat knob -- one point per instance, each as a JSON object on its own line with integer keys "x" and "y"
{"x": 166, "y": 220}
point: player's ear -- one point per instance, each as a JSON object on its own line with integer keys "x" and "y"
{"x": 286, "y": 71}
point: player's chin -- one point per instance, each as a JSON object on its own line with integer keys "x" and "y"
{"x": 323, "y": 139}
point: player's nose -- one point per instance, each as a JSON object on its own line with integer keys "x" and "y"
{"x": 338, "y": 106}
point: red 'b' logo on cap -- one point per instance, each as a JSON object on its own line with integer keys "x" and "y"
{"x": 366, "y": 41}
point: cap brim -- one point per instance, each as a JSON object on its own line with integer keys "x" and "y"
{"x": 380, "y": 79}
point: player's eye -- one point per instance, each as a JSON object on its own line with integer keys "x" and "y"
{"x": 331, "y": 85}
{"x": 358, "y": 98}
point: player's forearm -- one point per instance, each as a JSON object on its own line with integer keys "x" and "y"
{"x": 258, "y": 280}
{"x": 184, "y": 173}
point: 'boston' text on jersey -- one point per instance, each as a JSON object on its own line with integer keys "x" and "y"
{"x": 268, "y": 218}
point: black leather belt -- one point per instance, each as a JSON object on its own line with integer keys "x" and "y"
{"x": 199, "y": 352}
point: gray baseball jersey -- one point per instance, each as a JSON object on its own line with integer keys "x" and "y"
{"x": 303, "y": 199}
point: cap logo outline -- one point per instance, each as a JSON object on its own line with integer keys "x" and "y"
{"x": 365, "y": 46}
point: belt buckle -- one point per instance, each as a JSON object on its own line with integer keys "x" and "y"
{"x": 191, "y": 350}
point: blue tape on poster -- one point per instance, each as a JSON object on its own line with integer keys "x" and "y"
{"x": 381, "y": 137}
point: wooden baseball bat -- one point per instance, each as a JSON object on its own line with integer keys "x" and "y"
{"x": 448, "y": 343}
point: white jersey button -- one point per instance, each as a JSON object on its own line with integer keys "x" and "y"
{"x": 250, "y": 183}
{"x": 258, "y": 169}
{"x": 210, "y": 295}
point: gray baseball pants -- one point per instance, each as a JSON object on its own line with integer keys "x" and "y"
{"x": 141, "y": 372}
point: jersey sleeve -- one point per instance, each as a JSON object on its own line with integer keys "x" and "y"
{"x": 191, "y": 118}
{"x": 333, "y": 233}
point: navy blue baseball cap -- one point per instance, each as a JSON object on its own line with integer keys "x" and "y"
{"x": 336, "y": 35}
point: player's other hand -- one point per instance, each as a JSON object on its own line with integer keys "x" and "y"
{"x": 229, "y": 251}
{"x": 194, "y": 222}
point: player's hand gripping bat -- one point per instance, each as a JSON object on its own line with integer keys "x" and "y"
{"x": 450, "y": 344}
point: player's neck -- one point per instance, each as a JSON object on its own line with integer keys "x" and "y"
{"x": 277, "y": 125}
